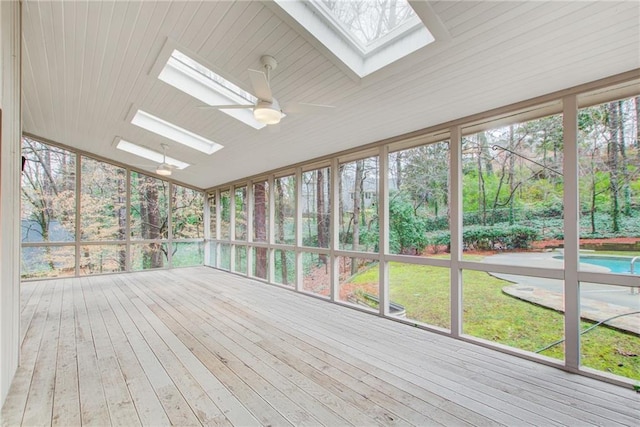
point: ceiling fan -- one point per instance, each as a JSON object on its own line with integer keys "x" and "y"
{"x": 267, "y": 110}
{"x": 164, "y": 168}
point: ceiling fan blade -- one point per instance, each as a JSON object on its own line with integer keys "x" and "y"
{"x": 225, "y": 107}
{"x": 309, "y": 108}
{"x": 260, "y": 85}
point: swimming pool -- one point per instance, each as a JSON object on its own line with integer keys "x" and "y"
{"x": 617, "y": 264}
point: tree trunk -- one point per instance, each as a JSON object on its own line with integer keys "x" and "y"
{"x": 320, "y": 214}
{"x": 280, "y": 212}
{"x": 398, "y": 170}
{"x": 512, "y": 167}
{"x": 626, "y": 188}
{"x": 482, "y": 196}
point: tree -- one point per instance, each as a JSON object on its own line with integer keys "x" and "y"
{"x": 48, "y": 197}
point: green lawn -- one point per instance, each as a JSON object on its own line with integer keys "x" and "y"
{"x": 492, "y": 315}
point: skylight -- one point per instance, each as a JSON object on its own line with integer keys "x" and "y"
{"x": 169, "y": 130}
{"x": 365, "y": 35}
{"x": 148, "y": 154}
{"x": 193, "y": 78}
{"x": 368, "y": 24}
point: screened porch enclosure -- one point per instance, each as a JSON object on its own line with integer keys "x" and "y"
{"x": 472, "y": 231}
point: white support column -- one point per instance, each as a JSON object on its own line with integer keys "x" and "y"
{"x": 455, "y": 200}
{"x": 334, "y": 230}
{"x": 298, "y": 230}
{"x": 78, "y": 207}
{"x": 383, "y": 226}
{"x": 249, "y": 250}
{"x": 218, "y": 228}
{"x": 206, "y": 219}
{"x": 571, "y": 234}
{"x": 232, "y": 228}
{"x": 10, "y": 167}
{"x": 271, "y": 231}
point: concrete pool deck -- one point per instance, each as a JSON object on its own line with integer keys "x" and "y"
{"x": 597, "y": 302}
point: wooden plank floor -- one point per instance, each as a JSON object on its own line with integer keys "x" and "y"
{"x": 201, "y": 347}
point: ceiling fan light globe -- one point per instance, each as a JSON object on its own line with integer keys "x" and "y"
{"x": 267, "y": 113}
{"x": 163, "y": 170}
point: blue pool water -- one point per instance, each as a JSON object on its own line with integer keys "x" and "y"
{"x": 617, "y": 264}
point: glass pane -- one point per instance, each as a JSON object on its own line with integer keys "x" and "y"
{"x": 513, "y": 190}
{"x": 103, "y": 202}
{"x": 241, "y": 213}
{"x": 609, "y": 173}
{"x": 359, "y": 205}
{"x": 359, "y": 282}
{"x": 316, "y": 207}
{"x": 260, "y": 268}
{"x": 285, "y": 267}
{"x": 187, "y": 213}
{"x": 213, "y": 254}
{"x": 421, "y": 293}
{"x": 225, "y": 256}
{"x": 48, "y": 193}
{"x": 610, "y": 329}
{"x": 47, "y": 261}
{"x": 225, "y": 215}
{"x": 316, "y": 273}
{"x": 186, "y": 254}
{"x": 240, "y": 259}
{"x": 145, "y": 256}
{"x": 149, "y": 207}
{"x": 517, "y": 311}
{"x": 285, "y": 205}
{"x": 419, "y": 201}
{"x": 212, "y": 217}
{"x": 367, "y": 21}
{"x": 98, "y": 259}
{"x": 260, "y": 211}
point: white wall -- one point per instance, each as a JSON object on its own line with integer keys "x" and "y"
{"x": 10, "y": 163}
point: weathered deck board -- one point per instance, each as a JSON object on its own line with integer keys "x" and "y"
{"x": 201, "y": 347}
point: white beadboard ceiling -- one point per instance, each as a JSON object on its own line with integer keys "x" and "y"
{"x": 86, "y": 64}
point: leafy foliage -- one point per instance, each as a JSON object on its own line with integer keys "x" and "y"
{"x": 407, "y": 231}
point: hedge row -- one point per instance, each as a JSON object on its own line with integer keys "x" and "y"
{"x": 479, "y": 237}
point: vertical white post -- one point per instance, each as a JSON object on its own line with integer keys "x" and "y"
{"x": 10, "y": 161}
{"x": 334, "y": 230}
{"x": 271, "y": 232}
{"x": 298, "y": 230}
{"x": 571, "y": 234}
{"x": 249, "y": 250}
{"x": 206, "y": 218}
{"x": 78, "y": 207}
{"x": 455, "y": 200}
{"x": 218, "y": 231}
{"x": 232, "y": 228}
{"x": 383, "y": 226}
{"x": 170, "y": 227}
